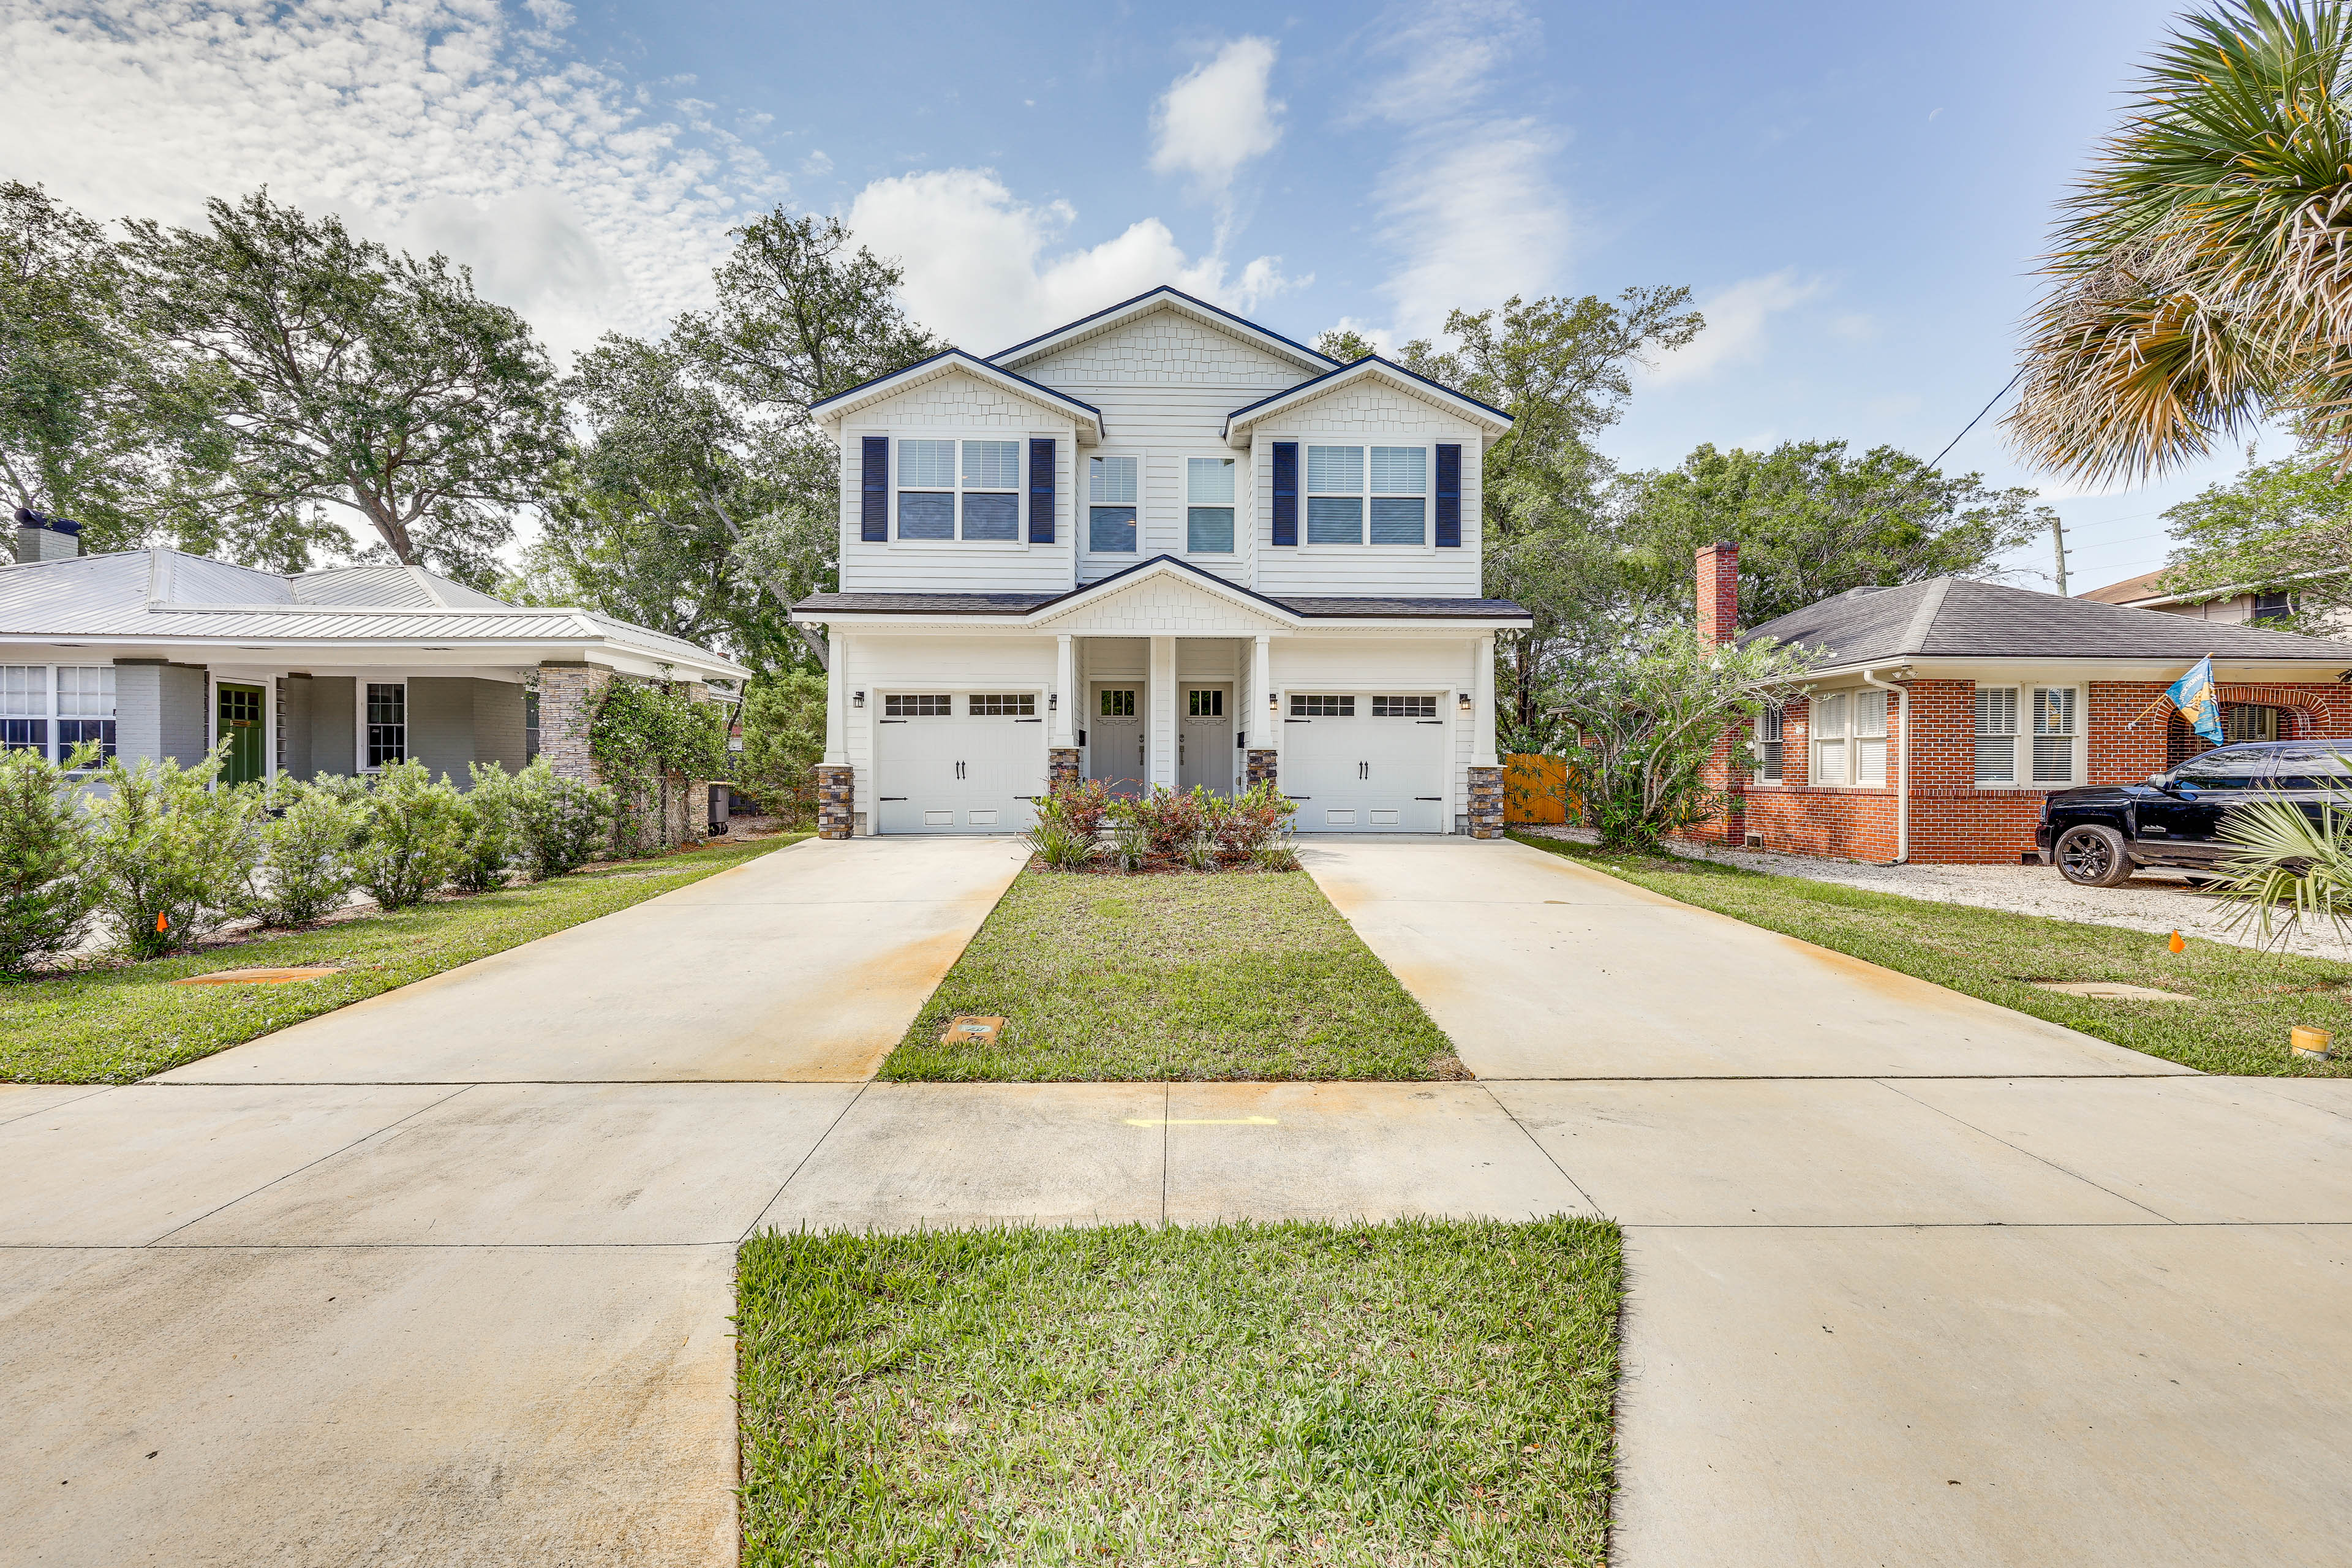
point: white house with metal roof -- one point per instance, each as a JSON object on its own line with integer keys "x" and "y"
{"x": 155, "y": 653}
{"x": 1160, "y": 546}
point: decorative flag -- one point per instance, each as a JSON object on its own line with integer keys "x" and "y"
{"x": 2193, "y": 694}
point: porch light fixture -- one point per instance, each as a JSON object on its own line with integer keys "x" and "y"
{"x": 1052, "y": 702}
{"x": 858, "y": 700}
{"x": 1462, "y": 700}
{"x": 1274, "y": 699}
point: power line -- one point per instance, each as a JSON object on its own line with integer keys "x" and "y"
{"x": 1980, "y": 414}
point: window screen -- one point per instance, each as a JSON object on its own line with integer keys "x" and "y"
{"x": 1335, "y": 495}
{"x": 1870, "y": 737}
{"x": 1322, "y": 707}
{"x": 2054, "y": 735}
{"x": 387, "y": 723}
{"x": 1209, "y": 505}
{"x": 1405, "y": 707}
{"x": 1110, "y": 505}
{"x": 1997, "y": 735}
{"x": 991, "y": 501}
{"x": 918, "y": 705}
{"x": 1830, "y": 739}
{"x": 1768, "y": 756}
{"x": 1004, "y": 705}
{"x": 1400, "y": 500}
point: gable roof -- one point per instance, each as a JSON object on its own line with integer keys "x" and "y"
{"x": 1031, "y": 606}
{"x": 168, "y": 596}
{"x": 831, "y": 410}
{"x": 1959, "y": 618}
{"x": 1165, "y": 298}
{"x": 1372, "y": 367}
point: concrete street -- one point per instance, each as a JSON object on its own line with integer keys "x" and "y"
{"x": 1913, "y": 1280}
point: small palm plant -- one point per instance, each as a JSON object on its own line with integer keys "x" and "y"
{"x": 2283, "y": 858}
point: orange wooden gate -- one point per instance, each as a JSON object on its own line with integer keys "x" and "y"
{"x": 1535, "y": 788}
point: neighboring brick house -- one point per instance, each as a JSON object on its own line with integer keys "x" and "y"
{"x": 1941, "y": 712}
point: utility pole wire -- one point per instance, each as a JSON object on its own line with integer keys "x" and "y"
{"x": 1980, "y": 414}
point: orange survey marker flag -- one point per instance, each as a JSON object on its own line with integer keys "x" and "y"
{"x": 161, "y": 924}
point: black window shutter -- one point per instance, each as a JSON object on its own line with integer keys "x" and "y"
{"x": 1041, "y": 490}
{"x": 1285, "y": 492}
{"x": 1449, "y": 498}
{"x": 874, "y": 519}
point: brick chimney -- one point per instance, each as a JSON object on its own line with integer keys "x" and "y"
{"x": 1719, "y": 594}
{"x": 42, "y": 538}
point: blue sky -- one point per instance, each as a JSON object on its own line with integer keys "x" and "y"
{"x": 1855, "y": 193}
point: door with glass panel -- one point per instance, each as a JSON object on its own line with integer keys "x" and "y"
{"x": 1204, "y": 739}
{"x": 239, "y": 716}
{"x": 1115, "y": 738}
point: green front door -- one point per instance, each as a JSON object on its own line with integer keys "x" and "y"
{"x": 240, "y": 726}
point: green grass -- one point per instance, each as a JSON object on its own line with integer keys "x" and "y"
{"x": 115, "y": 1025}
{"x": 1420, "y": 1392}
{"x": 1240, "y": 975}
{"x": 2245, "y": 1001}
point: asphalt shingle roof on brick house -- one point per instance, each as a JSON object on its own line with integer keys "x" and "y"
{"x": 1958, "y": 617}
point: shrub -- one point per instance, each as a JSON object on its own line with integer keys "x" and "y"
{"x": 1259, "y": 816}
{"x": 643, "y": 735}
{"x": 1064, "y": 835}
{"x": 486, "y": 824}
{"x": 784, "y": 740}
{"x": 47, "y": 892}
{"x": 1083, "y": 805}
{"x": 413, "y": 835}
{"x": 173, "y": 855}
{"x": 1279, "y": 853}
{"x": 559, "y": 823}
{"x": 1163, "y": 821}
{"x": 305, "y": 866}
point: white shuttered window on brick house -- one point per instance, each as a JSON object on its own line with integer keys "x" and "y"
{"x": 1870, "y": 737}
{"x": 2054, "y": 730}
{"x": 1830, "y": 739}
{"x": 1996, "y": 735}
{"x": 1768, "y": 745}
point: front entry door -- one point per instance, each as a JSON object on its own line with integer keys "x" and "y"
{"x": 1204, "y": 740}
{"x": 239, "y": 718}
{"x": 1114, "y": 739}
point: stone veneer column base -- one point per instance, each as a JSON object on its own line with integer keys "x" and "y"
{"x": 1261, "y": 769}
{"x": 567, "y": 701}
{"x": 1061, "y": 769}
{"x": 837, "y": 801}
{"x": 1486, "y": 803}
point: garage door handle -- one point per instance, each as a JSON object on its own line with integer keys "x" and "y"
{"x": 893, "y": 797}
{"x": 1302, "y": 797}
{"x": 1298, "y": 721}
{"x": 1429, "y": 797}
{"x": 1028, "y": 720}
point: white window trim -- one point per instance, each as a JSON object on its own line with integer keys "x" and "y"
{"x": 1815, "y": 740}
{"x": 2077, "y": 770}
{"x": 1085, "y": 498}
{"x": 52, "y": 715}
{"x": 1184, "y": 504}
{"x": 959, "y": 435}
{"x": 360, "y": 721}
{"x": 1428, "y": 545}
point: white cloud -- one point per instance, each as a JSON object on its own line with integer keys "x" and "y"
{"x": 979, "y": 273}
{"x": 1217, "y": 117}
{"x": 1469, "y": 204}
{"x": 576, "y": 197}
{"x": 1739, "y": 321}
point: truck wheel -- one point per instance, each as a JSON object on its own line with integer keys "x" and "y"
{"x": 2093, "y": 857}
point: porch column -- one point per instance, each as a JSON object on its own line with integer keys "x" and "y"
{"x": 836, "y": 780}
{"x": 1486, "y": 780}
{"x": 1163, "y": 711}
{"x": 836, "y": 707}
{"x": 1063, "y": 725}
{"x": 1264, "y": 762}
{"x": 568, "y": 692}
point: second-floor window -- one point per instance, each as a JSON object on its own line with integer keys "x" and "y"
{"x": 1349, "y": 487}
{"x": 1209, "y": 506}
{"x": 959, "y": 488}
{"x": 1110, "y": 505}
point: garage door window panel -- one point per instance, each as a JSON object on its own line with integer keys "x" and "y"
{"x": 1314, "y": 706}
{"x": 918, "y": 705}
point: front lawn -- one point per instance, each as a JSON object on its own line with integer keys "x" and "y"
{"x": 115, "y": 1025}
{"x": 1240, "y": 975}
{"x": 2245, "y": 1001}
{"x": 1420, "y": 1392}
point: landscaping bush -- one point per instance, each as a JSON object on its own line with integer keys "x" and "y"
{"x": 1259, "y": 816}
{"x": 486, "y": 823}
{"x": 784, "y": 740}
{"x": 172, "y": 856}
{"x": 1196, "y": 830}
{"x": 46, "y": 893}
{"x": 559, "y": 824}
{"x": 305, "y": 867}
{"x": 1166, "y": 822}
{"x": 413, "y": 837}
{"x": 647, "y": 736}
{"x": 1064, "y": 835}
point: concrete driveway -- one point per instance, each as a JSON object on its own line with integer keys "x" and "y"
{"x": 1913, "y": 1280}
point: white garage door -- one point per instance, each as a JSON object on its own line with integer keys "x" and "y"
{"x": 1365, "y": 763}
{"x": 958, "y": 762}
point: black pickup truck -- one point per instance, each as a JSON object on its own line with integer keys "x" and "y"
{"x": 2100, "y": 834}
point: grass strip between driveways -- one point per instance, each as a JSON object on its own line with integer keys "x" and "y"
{"x": 1238, "y": 976}
{"x": 2245, "y": 1001}
{"x": 115, "y": 1025}
{"x": 1417, "y": 1393}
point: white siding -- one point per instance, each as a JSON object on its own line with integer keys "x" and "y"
{"x": 954, "y": 405}
{"x": 1369, "y": 414}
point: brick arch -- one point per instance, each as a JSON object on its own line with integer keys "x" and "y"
{"x": 2309, "y": 712}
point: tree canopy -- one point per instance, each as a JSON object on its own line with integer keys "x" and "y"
{"x": 2281, "y": 525}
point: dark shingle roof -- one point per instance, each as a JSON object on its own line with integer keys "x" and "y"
{"x": 1957, "y": 617}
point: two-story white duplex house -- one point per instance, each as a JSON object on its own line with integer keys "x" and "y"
{"x": 1160, "y": 546}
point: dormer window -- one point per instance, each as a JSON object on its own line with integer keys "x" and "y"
{"x": 1389, "y": 486}
{"x": 1110, "y": 505}
{"x": 977, "y": 483}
